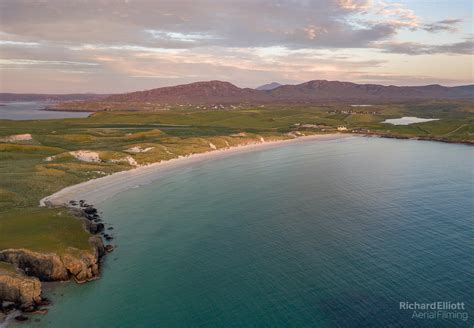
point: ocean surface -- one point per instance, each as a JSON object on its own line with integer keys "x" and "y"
{"x": 315, "y": 234}
{"x": 32, "y": 110}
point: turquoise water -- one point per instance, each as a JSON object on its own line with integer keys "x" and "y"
{"x": 317, "y": 234}
{"x": 32, "y": 110}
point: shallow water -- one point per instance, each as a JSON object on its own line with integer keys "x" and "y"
{"x": 407, "y": 120}
{"x": 32, "y": 110}
{"x": 316, "y": 234}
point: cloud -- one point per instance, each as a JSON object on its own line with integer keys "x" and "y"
{"x": 465, "y": 47}
{"x": 18, "y": 43}
{"x": 449, "y": 25}
{"x": 112, "y": 45}
{"x": 187, "y": 24}
{"x": 396, "y": 14}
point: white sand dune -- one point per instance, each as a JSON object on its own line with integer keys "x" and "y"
{"x": 17, "y": 137}
{"x": 97, "y": 190}
{"x": 138, "y": 149}
{"x": 86, "y": 155}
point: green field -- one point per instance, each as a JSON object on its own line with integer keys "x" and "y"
{"x": 42, "y": 230}
{"x": 33, "y": 169}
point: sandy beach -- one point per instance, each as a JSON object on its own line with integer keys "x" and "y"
{"x": 97, "y": 190}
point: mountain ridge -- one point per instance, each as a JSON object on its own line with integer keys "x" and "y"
{"x": 214, "y": 92}
{"x": 269, "y": 86}
{"x": 222, "y": 92}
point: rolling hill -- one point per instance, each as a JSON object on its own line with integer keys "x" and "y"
{"x": 317, "y": 91}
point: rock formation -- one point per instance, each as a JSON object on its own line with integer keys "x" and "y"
{"x": 24, "y": 292}
{"x": 80, "y": 265}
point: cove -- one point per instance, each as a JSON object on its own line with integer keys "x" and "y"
{"x": 315, "y": 234}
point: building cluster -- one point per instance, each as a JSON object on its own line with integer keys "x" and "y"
{"x": 350, "y": 111}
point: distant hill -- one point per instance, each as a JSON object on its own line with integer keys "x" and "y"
{"x": 49, "y": 97}
{"x": 466, "y": 88}
{"x": 225, "y": 93}
{"x": 193, "y": 93}
{"x": 269, "y": 86}
{"x": 317, "y": 91}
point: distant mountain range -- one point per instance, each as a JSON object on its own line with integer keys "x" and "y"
{"x": 269, "y": 86}
{"x": 317, "y": 91}
{"x": 49, "y": 97}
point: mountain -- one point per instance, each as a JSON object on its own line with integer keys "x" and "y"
{"x": 322, "y": 90}
{"x": 311, "y": 92}
{"x": 219, "y": 92}
{"x": 193, "y": 93}
{"x": 465, "y": 88}
{"x": 269, "y": 86}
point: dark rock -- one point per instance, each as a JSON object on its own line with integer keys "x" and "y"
{"x": 109, "y": 248}
{"x": 90, "y": 210}
{"x": 94, "y": 228}
{"x": 29, "y": 309}
{"x": 90, "y": 226}
{"x": 21, "y": 317}
{"x": 110, "y": 228}
{"x": 100, "y": 227}
{"x": 44, "y": 302}
{"x": 98, "y": 244}
{"x": 7, "y": 306}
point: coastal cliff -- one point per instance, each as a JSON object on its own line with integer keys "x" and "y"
{"x": 22, "y": 270}
{"x": 80, "y": 265}
{"x": 23, "y": 291}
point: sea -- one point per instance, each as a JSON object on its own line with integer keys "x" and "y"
{"x": 351, "y": 232}
{"x": 33, "y": 110}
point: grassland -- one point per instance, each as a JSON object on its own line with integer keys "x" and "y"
{"x": 33, "y": 169}
{"x": 42, "y": 230}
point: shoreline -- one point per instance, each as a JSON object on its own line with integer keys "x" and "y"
{"x": 97, "y": 190}
{"x": 100, "y": 189}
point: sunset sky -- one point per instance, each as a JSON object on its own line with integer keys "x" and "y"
{"x": 116, "y": 46}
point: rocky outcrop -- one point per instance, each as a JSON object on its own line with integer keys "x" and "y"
{"x": 21, "y": 289}
{"x": 89, "y": 216}
{"x": 24, "y": 292}
{"x": 80, "y": 265}
{"x": 46, "y": 267}
{"x": 82, "y": 269}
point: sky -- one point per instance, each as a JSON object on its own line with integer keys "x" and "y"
{"x": 112, "y": 46}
